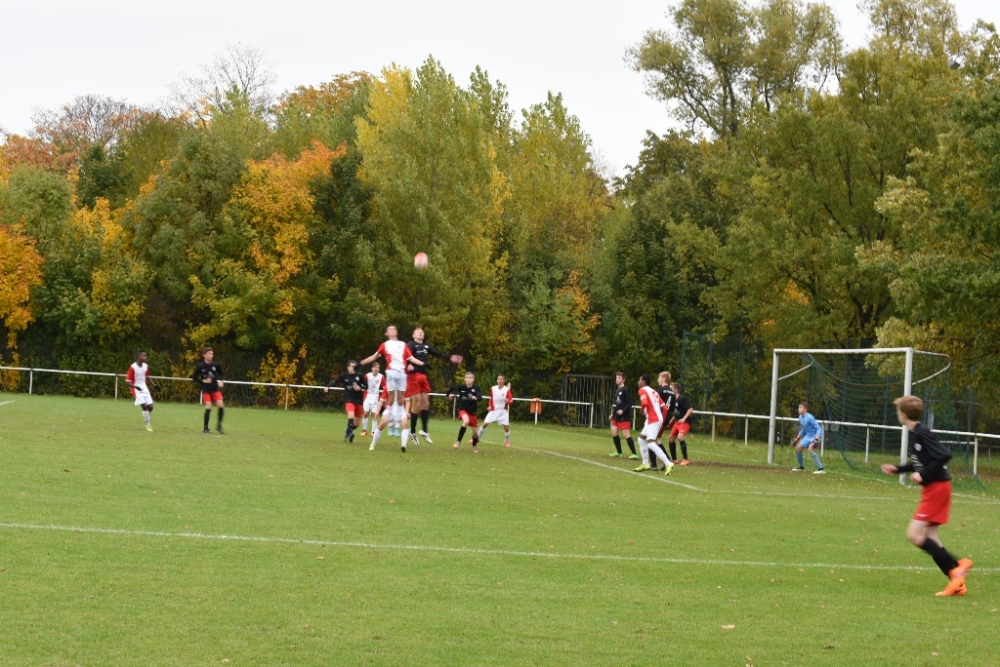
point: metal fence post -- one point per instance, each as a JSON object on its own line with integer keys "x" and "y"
{"x": 286, "y": 395}
{"x": 746, "y": 431}
{"x": 975, "y": 457}
{"x": 116, "y": 386}
{"x": 713, "y": 427}
{"x": 31, "y": 381}
{"x": 868, "y": 435}
{"x": 591, "y": 415}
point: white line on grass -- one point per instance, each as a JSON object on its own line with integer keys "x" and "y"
{"x": 465, "y": 550}
{"x": 6, "y": 403}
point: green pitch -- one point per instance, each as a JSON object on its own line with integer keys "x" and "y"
{"x": 278, "y": 544}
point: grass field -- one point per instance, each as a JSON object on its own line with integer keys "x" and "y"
{"x": 279, "y": 545}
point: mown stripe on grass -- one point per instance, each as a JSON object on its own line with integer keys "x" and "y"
{"x": 467, "y": 550}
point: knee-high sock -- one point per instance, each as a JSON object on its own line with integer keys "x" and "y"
{"x": 425, "y": 415}
{"x": 350, "y": 424}
{"x": 815, "y": 458}
{"x": 631, "y": 444}
{"x": 208, "y": 415}
{"x": 376, "y": 434}
{"x": 364, "y": 422}
{"x": 798, "y": 455}
{"x": 461, "y": 433}
{"x": 222, "y": 411}
{"x": 413, "y": 420}
{"x": 145, "y": 416}
{"x": 944, "y": 560}
{"x": 684, "y": 449}
{"x": 659, "y": 453}
{"x": 618, "y": 443}
{"x": 405, "y": 436}
{"x": 673, "y": 450}
{"x": 479, "y": 433}
{"x": 506, "y": 436}
{"x": 644, "y": 449}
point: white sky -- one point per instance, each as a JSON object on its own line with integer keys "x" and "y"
{"x": 54, "y": 50}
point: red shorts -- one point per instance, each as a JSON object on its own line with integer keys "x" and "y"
{"x": 680, "y": 428}
{"x": 622, "y": 426}
{"x": 473, "y": 419}
{"x": 209, "y": 397}
{"x": 355, "y": 410}
{"x": 935, "y": 501}
{"x": 417, "y": 383}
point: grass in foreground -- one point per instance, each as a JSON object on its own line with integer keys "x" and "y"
{"x": 547, "y": 553}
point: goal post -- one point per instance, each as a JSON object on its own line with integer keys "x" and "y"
{"x": 851, "y": 391}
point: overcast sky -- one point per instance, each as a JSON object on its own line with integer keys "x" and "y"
{"x": 55, "y": 50}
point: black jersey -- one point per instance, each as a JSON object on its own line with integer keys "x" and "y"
{"x": 621, "y": 411}
{"x": 467, "y": 397}
{"x": 681, "y": 407}
{"x": 423, "y": 351}
{"x": 348, "y": 380}
{"x": 929, "y": 458}
{"x": 208, "y": 371}
{"x": 669, "y": 399}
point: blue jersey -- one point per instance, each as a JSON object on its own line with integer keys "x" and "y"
{"x": 810, "y": 427}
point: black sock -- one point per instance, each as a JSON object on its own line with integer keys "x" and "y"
{"x": 631, "y": 444}
{"x": 413, "y": 422}
{"x": 350, "y": 424}
{"x": 673, "y": 450}
{"x": 684, "y": 450}
{"x": 424, "y": 416}
{"x": 944, "y": 560}
{"x": 222, "y": 411}
{"x": 618, "y": 443}
{"x": 208, "y": 415}
{"x": 461, "y": 433}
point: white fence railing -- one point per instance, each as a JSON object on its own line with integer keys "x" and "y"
{"x": 972, "y": 438}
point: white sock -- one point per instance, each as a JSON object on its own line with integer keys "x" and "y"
{"x": 376, "y": 435}
{"x": 506, "y": 436}
{"x": 145, "y": 416}
{"x": 660, "y": 454}
{"x": 405, "y": 436}
{"x": 479, "y": 433}
{"x": 364, "y": 423}
{"x": 644, "y": 448}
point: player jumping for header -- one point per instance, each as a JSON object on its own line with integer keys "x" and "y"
{"x": 501, "y": 396}
{"x": 137, "y": 379}
{"x": 396, "y": 356}
{"x": 418, "y": 387}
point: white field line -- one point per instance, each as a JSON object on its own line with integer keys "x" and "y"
{"x": 470, "y": 551}
{"x": 6, "y": 403}
{"x": 966, "y": 498}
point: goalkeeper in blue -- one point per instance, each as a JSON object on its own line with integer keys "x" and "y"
{"x": 809, "y": 437}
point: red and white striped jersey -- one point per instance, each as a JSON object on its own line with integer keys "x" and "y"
{"x": 136, "y": 375}
{"x": 395, "y": 353}
{"x": 652, "y": 405}
{"x": 500, "y": 398}
{"x": 375, "y": 382}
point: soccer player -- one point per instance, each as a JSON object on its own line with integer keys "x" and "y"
{"x": 928, "y": 465}
{"x": 373, "y": 398}
{"x": 354, "y": 384}
{"x": 396, "y": 356}
{"x": 418, "y": 387}
{"x": 468, "y": 396}
{"x": 621, "y": 417}
{"x": 809, "y": 436}
{"x": 680, "y": 425}
{"x": 652, "y": 407}
{"x": 137, "y": 379}
{"x": 209, "y": 377}
{"x": 669, "y": 398}
{"x": 501, "y": 397}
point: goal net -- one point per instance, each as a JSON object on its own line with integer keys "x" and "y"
{"x": 851, "y": 393}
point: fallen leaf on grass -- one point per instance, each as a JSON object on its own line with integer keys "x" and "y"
{"x": 728, "y": 627}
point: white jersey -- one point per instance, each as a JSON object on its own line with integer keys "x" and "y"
{"x": 137, "y": 375}
{"x": 395, "y": 354}
{"x": 374, "y": 391}
{"x": 500, "y": 398}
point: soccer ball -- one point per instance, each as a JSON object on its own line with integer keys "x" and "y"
{"x": 420, "y": 261}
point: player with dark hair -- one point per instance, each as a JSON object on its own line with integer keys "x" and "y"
{"x": 621, "y": 417}
{"x": 418, "y": 387}
{"x": 373, "y": 397}
{"x": 396, "y": 356}
{"x": 680, "y": 425}
{"x": 209, "y": 376}
{"x": 501, "y": 396}
{"x": 467, "y": 397}
{"x": 929, "y": 467}
{"x": 137, "y": 379}
{"x": 669, "y": 398}
{"x": 354, "y": 384}
{"x": 810, "y": 435}
{"x": 652, "y": 408}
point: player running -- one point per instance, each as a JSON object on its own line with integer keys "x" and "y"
{"x": 621, "y": 417}
{"x": 418, "y": 387}
{"x": 355, "y": 385}
{"x": 209, "y": 377}
{"x": 669, "y": 399}
{"x": 652, "y": 407}
{"x": 396, "y": 356}
{"x": 501, "y": 396}
{"x": 468, "y": 396}
{"x": 137, "y": 379}
{"x": 373, "y": 398}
